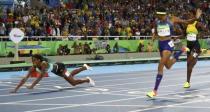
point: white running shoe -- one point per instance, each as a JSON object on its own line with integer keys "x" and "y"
{"x": 91, "y": 81}
{"x": 87, "y": 67}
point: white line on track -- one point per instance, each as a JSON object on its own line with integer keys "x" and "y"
{"x": 111, "y": 101}
{"x": 191, "y": 107}
{"x": 172, "y": 105}
{"x": 95, "y": 103}
{"x": 44, "y": 104}
{"x": 118, "y": 79}
{"x": 118, "y": 84}
{"x": 17, "y": 94}
{"x": 44, "y": 85}
{"x": 111, "y": 76}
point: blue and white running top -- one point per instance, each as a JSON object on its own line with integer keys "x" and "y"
{"x": 164, "y": 28}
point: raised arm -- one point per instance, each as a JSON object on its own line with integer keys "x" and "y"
{"x": 181, "y": 21}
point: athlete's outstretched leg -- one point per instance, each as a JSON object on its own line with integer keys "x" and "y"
{"x": 165, "y": 57}
{"x": 78, "y": 70}
{"x": 75, "y": 82}
{"x": 191, "y": 61}
{"x": 70, "y": 76}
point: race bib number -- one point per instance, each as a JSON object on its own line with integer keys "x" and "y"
{"x": 171, "y": 44}
{"x": 163, "y": 30}
{"x": 191, "y": 37}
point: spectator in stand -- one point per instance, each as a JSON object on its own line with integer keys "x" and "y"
{"x": 95, "y": 17}
{"x": 149, "y": 47}
{"x": 116, "y": 48}
{"x": 60, "y": 50}
{"x": 2, "y": 29}
{"x": 66, "y": 50}
{"x": 87, "y": 49}
{"x": 140, "y": 47}
{"x": 108, "y": 48}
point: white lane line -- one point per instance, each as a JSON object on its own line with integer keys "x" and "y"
{"x": 55, "y": 108}
{"x": 97, "y": 77}
{"x": 191, "y": 107}
{"x": 116, "y": 105}
{"x": 137, "y": 95}
{"x": 45, "y": 104}
{"x": 112, "y": 91}
{"x": 52, "y": 98}
{"x": 152, "y": 81}
{"x": 58, "y": 85}
{"x": 108, "y": 101}
{"x": 117, "y": 90}
{"x": 134, "y": 73}
{"x": 169, "y": 106}
{"x": 37, "y": 104}
{"x": 113, "y": 79}
{"x": 40, "y": 88}
{"x": 43, "y": 85}
{"x": 48, "y": 89}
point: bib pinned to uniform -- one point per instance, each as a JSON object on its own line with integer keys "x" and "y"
{"x": 163, "y": 30}
{"x": 191, "y": 37}
{"x": 192, "y": 32}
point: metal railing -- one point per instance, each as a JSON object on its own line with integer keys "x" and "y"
{"x": 51, "y": 38}
{"x": 60, "y": 38}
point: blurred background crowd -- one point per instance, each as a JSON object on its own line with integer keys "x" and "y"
{"x": 93, "y": 17}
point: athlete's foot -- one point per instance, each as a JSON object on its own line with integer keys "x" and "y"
{"x": 185, "y": 49}
{"x": 186, "y": 85}
{"x": 152, "y": 94}
{"x": 87, "y": 67}
{"x": 91, "y": 81}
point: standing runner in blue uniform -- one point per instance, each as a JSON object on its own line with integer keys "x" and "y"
{"x": 41, "y": 65}
{"x": 164, "y": 31}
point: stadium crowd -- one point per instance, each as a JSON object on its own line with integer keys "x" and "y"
{"x": 94, "y": 17}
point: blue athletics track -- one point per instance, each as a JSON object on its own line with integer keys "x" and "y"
{"x": 119, "y": 88}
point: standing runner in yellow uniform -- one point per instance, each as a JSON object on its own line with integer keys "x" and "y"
{"x": 193, "y": 45}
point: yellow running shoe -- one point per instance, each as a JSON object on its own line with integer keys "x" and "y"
{"x": 203, "y": 50}
{"x": 152, "y": 94}
{"x": 185, "y": 49}
{"x": 186, "y": 85}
